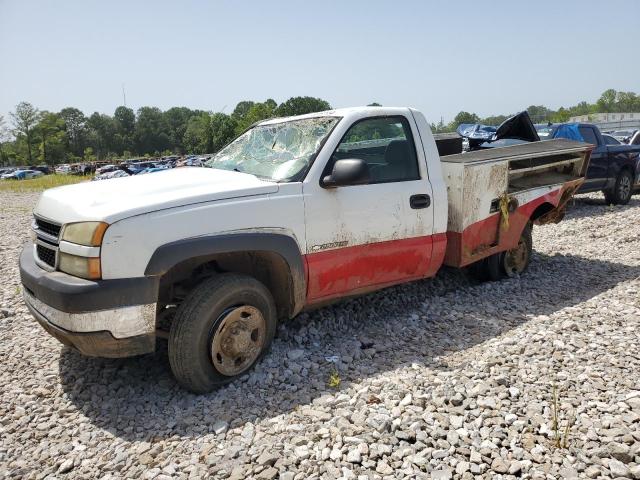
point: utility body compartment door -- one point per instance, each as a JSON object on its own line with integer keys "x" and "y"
{"x": 364, "y": 237}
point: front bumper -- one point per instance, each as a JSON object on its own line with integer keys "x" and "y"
{"x": 106, "y": 318}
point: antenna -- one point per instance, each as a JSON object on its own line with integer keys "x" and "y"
{"x": 124, "y": 96}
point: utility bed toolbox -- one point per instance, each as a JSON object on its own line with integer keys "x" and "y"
{"x": 495, "y": 181}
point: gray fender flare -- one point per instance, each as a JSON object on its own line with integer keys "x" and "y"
{"x": 167, "y": 256}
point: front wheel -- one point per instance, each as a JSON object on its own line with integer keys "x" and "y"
{"x": 512, "y": 262}
{"x": 622, "y": 190}
{"x": 223, "y": 327}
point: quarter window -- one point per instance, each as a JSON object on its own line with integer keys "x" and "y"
{"x": 385, "y": 144}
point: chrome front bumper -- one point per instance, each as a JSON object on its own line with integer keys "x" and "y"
{"x": 119, "y": 322}
{"x": 114, "y": 333}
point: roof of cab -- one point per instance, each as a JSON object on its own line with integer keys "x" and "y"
{"x": 341, "y": 112}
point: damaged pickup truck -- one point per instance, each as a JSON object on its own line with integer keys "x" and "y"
{"x": 295, "y": 213}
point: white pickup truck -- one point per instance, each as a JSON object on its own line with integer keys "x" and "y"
{"x": 295, "y": 213}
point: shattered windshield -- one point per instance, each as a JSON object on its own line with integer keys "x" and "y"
{"x": 277, "y": 151}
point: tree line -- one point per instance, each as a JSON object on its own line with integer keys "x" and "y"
{"x": 611, "y": 101}
{"x": 31, "y": 136}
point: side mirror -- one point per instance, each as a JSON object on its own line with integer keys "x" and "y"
{"x": 347, "y": 171}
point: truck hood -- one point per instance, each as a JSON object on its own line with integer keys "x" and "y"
{"x": 114, "y": 199}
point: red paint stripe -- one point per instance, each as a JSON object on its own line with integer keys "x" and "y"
{"x": 357, "y": 269}
{"x": 486, "y": 237}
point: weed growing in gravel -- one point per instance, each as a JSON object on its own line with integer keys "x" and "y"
{"x": 334, "y": 379}
{"x": 560, "y": 440}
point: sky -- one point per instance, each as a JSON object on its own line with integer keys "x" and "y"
{"x": 493, "y": 57}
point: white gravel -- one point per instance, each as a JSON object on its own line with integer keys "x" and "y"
{"x": 444, "y": 378}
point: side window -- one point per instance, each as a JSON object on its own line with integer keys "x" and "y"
{"x": 609, "y": 140}
{"x": 386, "y": 144}
{"x": 589, "y": 135}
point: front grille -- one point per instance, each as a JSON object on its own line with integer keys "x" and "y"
{"x": 48, "y": 227}
{"x": 46, "y": 255}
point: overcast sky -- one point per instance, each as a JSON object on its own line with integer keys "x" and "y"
{"x": 441, "y": 57}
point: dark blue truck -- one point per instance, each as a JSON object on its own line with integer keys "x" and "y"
{"x": 614, "y": 168}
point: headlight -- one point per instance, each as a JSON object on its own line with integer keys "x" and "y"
{"x": 85, "y": 233}
{"x": 85, "y": 267}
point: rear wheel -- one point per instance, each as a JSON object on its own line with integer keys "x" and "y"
{"x": 621, "y": 192}
{"x": 512, "y": 262}
{"x": 224, "y": 326}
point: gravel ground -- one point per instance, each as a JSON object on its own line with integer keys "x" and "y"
{"x": 444, "y": 378}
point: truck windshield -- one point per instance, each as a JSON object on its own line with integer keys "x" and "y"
{"x": 275, "y": 151}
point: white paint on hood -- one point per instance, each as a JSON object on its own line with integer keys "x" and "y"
{"x": 118, "y": 198}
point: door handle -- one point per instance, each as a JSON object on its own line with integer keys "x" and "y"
{"x": 420, "y": 201}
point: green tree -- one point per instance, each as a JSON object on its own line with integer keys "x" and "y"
{"x": 607, "y": 101}
{"x": 198, "y": 137}
{"x": 562, "y": 115}
{"x": 101, "y": 131}
{"x": 539, "y": 113}
{"x": 151, "y": 131}
{"x": 301, "y": 105}
{"x": 627, "y": 102}
{"x": 374, "y": 104}
{"x": 176, "y": 119}
{"x": 242, "y": 108}
{"x": 223, "y": 131}
{"x": 257, "y": 112}
{"x": 582, "y": 108}
{"x": 125, "y": 123}
{"x": 24, "y": 120}
{"x": 51, "y": 131}
{"x": 76, "y": 130}
{"x": 5, "y": 136}
{"x": 494, "y": 119}
{"x": 463, "y": 117}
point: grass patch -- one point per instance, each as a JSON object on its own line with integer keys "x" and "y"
{"x": 41, "y": 183}
{"x": 560, "y": 435}
{"x": 334, "y": 379}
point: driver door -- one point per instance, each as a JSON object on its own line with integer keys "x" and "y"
{"x": 364, "y": 237}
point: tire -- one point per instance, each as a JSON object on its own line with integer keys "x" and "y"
{"x": 479, "y": 270}
{"x": 512, "y": 262}
{"x": 621, "y": 192}
{"x": 220, "y": 331}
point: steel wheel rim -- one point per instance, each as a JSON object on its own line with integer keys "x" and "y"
{"x": 238, "y": 340}
{"x": 515, "y": 260}
{"x": 625, "y": 186}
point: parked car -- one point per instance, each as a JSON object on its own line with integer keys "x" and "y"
{"x": 610, "y": 140}
{"x": 22, "y": 175}
{"x": 294, "y": 213}
{"x": 112, "y": 174}
{"x": 41, "y": 168}
{"x": 623, "y": 136}
{"x": 106, "y": 169}
{"x": 614, "y": 168}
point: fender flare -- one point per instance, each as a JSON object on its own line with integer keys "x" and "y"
{"x": 167, "y": 256}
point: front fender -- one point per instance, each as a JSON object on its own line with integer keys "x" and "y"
{"x": 169, "y": 255}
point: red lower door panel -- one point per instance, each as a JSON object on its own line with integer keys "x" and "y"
{"x": 352, "y": 270}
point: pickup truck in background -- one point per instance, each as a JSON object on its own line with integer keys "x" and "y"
{"x": 614, "y": 168}
{"x": 294, "y": 214}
